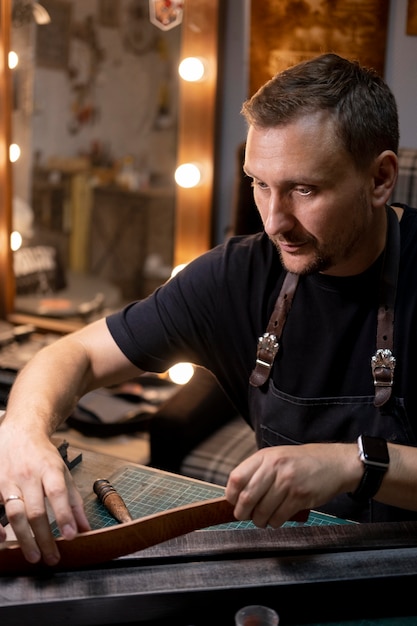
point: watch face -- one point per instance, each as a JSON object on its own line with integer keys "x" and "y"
{"x": 374, "y": 451}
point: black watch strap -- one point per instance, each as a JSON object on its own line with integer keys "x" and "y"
{"x": 376, "y": 464}
{"x": 369, "y": 485}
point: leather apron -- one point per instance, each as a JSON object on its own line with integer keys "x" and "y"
{"x": 282, "y": 419}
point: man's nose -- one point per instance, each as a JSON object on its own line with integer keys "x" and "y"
{"x": 278, "y": 218}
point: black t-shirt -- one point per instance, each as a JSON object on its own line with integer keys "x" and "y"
{"x": 214, "y": 310}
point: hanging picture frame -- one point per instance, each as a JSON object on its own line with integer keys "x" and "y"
{"x": 166, "y": 15}
{"x": 53, "y": 39}
{"x": 412, "y": 18}
{"x": 285, "y": 33}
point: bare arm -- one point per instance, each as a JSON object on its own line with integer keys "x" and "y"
{"x": 42, "y": 397}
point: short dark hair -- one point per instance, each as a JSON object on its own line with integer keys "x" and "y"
{"x": 365, "y": 110}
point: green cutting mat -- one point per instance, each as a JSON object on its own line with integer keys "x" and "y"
{"x": 147, "y": 491}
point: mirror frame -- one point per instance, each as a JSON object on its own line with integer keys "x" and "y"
{"x": 196, "y": 143}
{"x": 7, "y": 285}
{"x": 197, "y": 130}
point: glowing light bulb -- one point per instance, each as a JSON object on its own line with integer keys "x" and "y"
{"x": 15, "y": 240}
{"x": 181, "y": 373}
{"x": 13, "y": 60}
{"x": 188, "y": 175}
{"x": 192, "y": 69}
{"x": 14, "y": 152}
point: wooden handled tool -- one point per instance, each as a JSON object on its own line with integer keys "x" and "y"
{"x": 99, "y": 546}
{"x": 112, "y": 500}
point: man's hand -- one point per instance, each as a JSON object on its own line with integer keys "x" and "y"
{"x": 32, "y": 469}
{"x": 274, "y": 483}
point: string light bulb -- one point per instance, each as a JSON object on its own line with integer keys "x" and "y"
{"x": 13, "y": 60}
{"x": 16, "y": 240}
{"x": 192, "y": 69}
{"x": 181, "y": 373}
{"x": 14, "y": 152}
{"x": 188, "y": 175}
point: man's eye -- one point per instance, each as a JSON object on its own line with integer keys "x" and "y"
{"x": 259, "y": 184}
{"x": 304, "y": 191}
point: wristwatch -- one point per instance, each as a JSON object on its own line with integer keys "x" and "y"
{"x": 373, "y": 452}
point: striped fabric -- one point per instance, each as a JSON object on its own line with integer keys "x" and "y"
{"x": 216, "y": 456}
{"x": 406, "y": 187}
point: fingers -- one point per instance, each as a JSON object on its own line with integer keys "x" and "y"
{"x": 273, "y": 510}
{"x": 22, "y": 525}
{"x": 265, "y": 489}
{"x": 28, "y": 516}
{"x": 69, "y": 501}
{"x": 13, "y": 497}
{"x": 244, "y": 491}
{"x": 260, "y": 502}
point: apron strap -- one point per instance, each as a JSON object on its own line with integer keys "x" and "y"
{"x": 268, "y": 343}
{"x": 383, "y": 361}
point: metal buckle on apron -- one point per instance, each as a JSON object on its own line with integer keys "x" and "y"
{"x": 383, "y": 365}
{"x": 268, "y": 347}
{"x": 268, "y": 343}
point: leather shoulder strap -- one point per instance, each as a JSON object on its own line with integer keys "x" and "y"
{"x": 383, "y": 361}
{"x": 268, "y": 343}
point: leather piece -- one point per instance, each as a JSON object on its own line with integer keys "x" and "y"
{"x": 99, "y": 546}
{"x": 382, "y": 395}
{"x": 259, "y": 375}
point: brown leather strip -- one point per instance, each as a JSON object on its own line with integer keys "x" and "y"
{"x": 383, "y": 362}
{"x": 268, "y": 344}
{"x": 98, "y": 546}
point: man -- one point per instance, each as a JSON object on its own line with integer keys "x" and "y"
{"x": 321, "y": 152}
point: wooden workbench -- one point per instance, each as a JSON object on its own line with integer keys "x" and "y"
{"x": 308, "y": 574}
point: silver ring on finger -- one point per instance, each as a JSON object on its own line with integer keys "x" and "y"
{"x": 13, "y": 497}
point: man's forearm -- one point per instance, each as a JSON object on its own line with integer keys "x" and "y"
{"x": 50, "y": 385}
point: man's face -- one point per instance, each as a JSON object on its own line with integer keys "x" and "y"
{"x": 316, "y": 206}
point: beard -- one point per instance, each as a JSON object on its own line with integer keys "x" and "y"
{"x": 340, "y": 246}
{"x": 316, "y": 264}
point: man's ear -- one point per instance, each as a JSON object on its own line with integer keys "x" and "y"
{"x": 385, "y": 172}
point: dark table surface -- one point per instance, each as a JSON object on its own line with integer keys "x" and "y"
{"x": 344, "y": 575}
